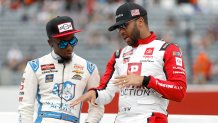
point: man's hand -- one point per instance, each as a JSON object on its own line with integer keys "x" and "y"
{"x": 129, "y": 79}
{"x": 89, "y": 96}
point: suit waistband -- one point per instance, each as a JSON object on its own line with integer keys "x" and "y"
{"x": 57, "y": 115}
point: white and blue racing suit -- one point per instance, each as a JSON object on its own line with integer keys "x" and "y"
{"x": 55, "y": 85}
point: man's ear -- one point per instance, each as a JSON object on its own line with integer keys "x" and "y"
{"x": 50, "y": 42}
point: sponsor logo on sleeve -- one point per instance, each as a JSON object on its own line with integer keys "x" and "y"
{"x": 177, "y": 54}
{"x": 20, "y": 99}
{"x": 22, "y": 84}
{"x": 90, "y": 67}
{"x": 179, "y": 61}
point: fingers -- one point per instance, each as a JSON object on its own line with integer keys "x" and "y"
{"x": 76, "y": 102}
{"x": 119, "y": 82}
{"x": 93, "y": 101}
{"x": 89, "y": 95}
{"x": 121, "y": 77}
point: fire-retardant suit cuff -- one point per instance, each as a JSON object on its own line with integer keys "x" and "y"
{"x": 146, "y": 80}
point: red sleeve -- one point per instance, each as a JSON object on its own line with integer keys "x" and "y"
{"x": 109, "y": 70}
{"x": 108, "y": 73}
{"x": 174, "y": 88}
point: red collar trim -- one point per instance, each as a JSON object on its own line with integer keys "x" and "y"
{"x": 147, "y": 40}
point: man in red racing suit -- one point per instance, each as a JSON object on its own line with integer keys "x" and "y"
{"x": 147, "y": 73}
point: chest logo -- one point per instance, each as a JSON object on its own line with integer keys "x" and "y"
{"x": 49, "y": 78}
{"x": 77, "y": 77}
{"x": 149, "y": 52}
{"x": 135, "y": 68}
{"x": 64, "y": 90}
{"x": 47, "y": 67}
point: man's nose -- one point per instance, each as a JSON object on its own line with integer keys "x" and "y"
{"x": 121, "y": 31}
{"x": 69, "y": 46}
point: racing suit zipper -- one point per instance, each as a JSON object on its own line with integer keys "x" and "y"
{"x": 62, "y": 88}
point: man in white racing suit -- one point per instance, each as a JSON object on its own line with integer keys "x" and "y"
{"x": 147, "y": 73}
{"x": 58, "y": 78}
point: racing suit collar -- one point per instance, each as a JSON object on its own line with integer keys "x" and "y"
{"x": 148, "y": 39}
{"x": 55, "y": 56}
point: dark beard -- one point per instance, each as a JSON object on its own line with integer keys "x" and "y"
{"x": 65, "y": 60}
{"x": 135, "y": 36}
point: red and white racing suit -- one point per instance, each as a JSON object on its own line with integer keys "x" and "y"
{"x": 55, "y": 85}
{"x": 159, "y": 60}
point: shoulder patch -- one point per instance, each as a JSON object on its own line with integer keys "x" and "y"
{"x": 90, "y": 67}
{"x": 34, "y": 64}
{"x": 117, "y": 53}
{"x": 164, "y": 46}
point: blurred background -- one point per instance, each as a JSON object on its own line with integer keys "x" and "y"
{"x": 192, "y": 24}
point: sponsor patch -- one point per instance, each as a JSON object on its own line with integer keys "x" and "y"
{"x": 49, "y": 71}
{"x": 49, "y": 78}
{"x": 34, "y": 64}
{"x": 135, "y": 68}
{"x": 47, "y": 67}
{"x": 149, "y": 51}
{"x": 178, "y": 54}
{"x": 22, "y": 84}
{"x": 21, "y": 93}
{"x": 20, "y": 99}
{"x": 125, "y": 60}
{"x": 65, "y": 91}
{"x": 77, "y": 77}
{"x": 78, "y": 71}
{"x": 78, "y": 66}
{"x": 135, "y": 12}
{"x": 65, "y": 27}
{"x": 178, "y": 61}
{"x": 178, "y": 68}
{"x": 147, "y": 60}
{"x": 90, "y": 67}
{"x": 178, "y": 72}
{"x": 128, "y": 53}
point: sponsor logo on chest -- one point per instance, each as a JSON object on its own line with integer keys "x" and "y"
{"x": 49, "y": 78}
{"x": 77, "y": 77}
{"x": 148, "y": 55}
{"x": 48, "y": 68}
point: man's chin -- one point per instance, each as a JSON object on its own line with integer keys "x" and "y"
{"x": 67, "y": 59}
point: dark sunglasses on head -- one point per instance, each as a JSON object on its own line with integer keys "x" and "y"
{"x": 63, "y": 44}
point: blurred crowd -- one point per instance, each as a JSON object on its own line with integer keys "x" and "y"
{"x": 90, "y": 15}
